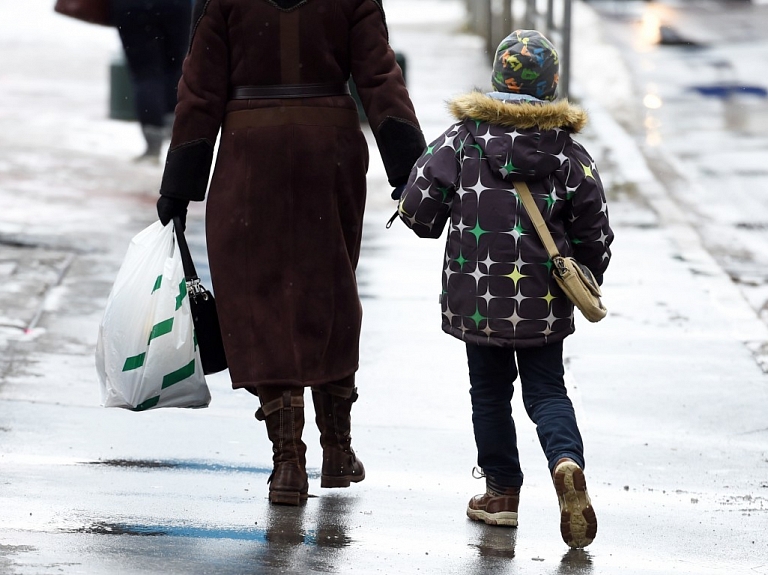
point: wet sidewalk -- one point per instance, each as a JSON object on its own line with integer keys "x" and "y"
{"x": 670, "y": 399}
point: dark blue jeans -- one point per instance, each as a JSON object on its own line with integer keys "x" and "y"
{"x": 492, "y": 371}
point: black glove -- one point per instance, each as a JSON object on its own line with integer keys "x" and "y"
{"x": 169, "y": 208}
{"x": 398, "y": 192}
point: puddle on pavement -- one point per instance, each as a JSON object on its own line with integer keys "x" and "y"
{"x": 495, "y": 542}
{"x": 188, "y": 466}
{"x": 134, "y": 463}
{"x": 186, "y": 531}
{"x": 117, "y": 529}
{"x": 293, "y": 526}
{"x": 324, "y": 536}
{"x": 576, "y": 561}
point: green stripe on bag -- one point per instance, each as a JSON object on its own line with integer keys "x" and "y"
{"x": 182, "y": 293}
{"x": 158, "y": 283}
{"x": 151, "y": 402}
{"x": 179, "y": 374}
{"x": 134, "y": 362}
{"x": 161, "y": 329}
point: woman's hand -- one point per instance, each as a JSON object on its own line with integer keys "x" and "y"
{"x": 169, "y": 208}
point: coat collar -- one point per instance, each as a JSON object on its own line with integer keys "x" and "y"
{"x": 546, "y": 116}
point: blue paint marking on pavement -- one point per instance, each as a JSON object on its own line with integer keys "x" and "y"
{"x": 190, "y": 465}
{"x": 218, "y": 468}
{"x": 728, "y": 90}
{"x": 192, "y": 532}
{"x": 278, "y": 534}
{"x": 258, "y": 535}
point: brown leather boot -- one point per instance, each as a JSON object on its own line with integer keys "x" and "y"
{"x": 284, "y": 416}
{"x": 497, "y": 506}
{"x": 333, "y": 404}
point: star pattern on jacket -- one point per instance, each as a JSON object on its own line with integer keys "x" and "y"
{"x": 496, "y": 274}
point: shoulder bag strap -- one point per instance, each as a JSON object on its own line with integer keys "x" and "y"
{"x": 190, "y": 273}
{"x": 538, "y": 222}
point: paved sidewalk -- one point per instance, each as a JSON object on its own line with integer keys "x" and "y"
{"x": 669, "y": 397}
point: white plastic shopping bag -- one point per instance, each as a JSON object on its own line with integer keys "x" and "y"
{"x": 146, "y": 354}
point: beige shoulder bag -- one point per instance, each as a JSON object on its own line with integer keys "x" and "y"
{"x": 574, "y": 279}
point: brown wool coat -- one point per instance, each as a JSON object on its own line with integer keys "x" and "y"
{"x": 285, "y": 205}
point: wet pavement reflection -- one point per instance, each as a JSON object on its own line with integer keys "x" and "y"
{"x": 311, "y": 538}
{"x": 494, "y": 542}
{"x": 299, "y": 539}
{"x": 496, "y": 547}
{"x": 576, "y": 562}
{"x": 333, "y": 522}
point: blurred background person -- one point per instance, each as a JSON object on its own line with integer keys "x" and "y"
{"x": 155, "y": 38}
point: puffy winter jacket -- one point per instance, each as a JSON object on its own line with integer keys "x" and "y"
{"x": 498, "y": 287}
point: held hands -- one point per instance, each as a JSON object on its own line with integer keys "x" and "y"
{"x": 398, "y": 192}
{"x": 396, "y": 195}
{"x": 169, "y": 208}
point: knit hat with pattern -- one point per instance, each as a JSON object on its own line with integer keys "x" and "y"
{"x": 526, "y": 63}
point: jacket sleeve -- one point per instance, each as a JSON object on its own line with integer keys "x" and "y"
{"x": 588, "y": 227}
{"x": 380, "y": 84}
{"x": 202, "y": 99}
{"x": 426, "y": 201}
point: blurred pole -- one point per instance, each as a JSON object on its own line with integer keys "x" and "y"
{"x": 472, "y": 16}
{"x": 565, "y": 51}
{"x": 500, "y": 22}
{"x": 507, "y": 18}
{"x": 488, "y": 26}
{"x": 550, "y": 16}
{"x": 530, "y": 14}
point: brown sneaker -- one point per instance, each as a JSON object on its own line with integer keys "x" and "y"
{"x": 495, "y": 507}
{"x": 578, "y": 523}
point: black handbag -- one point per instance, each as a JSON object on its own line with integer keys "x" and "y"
{"x": 204, "y": 315}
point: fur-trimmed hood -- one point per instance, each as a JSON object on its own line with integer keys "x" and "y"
{"x": 519, "y": 139}
{"x": 546, "y": 116}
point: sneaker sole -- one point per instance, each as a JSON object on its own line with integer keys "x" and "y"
{"x": 502, "y": 518}
{"x": 578, "y": 522}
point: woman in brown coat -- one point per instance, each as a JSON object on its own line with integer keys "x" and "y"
{"x": 285, "y": 206}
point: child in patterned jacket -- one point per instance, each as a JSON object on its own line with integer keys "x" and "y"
{"x": 499, "y": 295}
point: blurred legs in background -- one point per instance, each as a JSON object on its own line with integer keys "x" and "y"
{"x": 155, "y": 37}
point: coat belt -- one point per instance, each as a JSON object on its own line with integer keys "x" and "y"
{"x": 300, "y": 115}
{"x": 290, "y": 91}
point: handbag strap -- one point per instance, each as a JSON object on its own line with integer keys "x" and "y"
{"x": 538, "y": 222}
{"x": 190, "y": 273}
